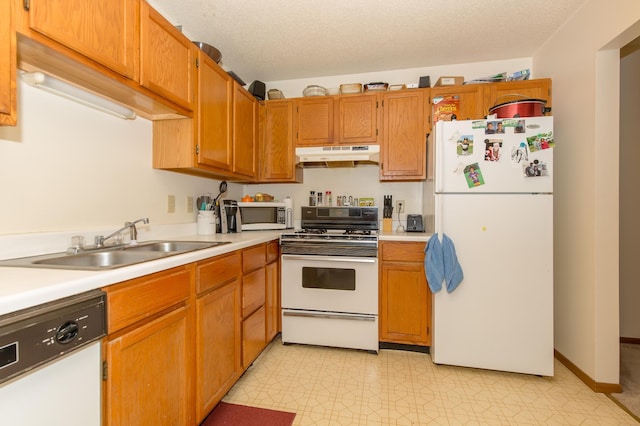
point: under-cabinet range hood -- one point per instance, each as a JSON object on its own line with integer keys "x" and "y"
{"x": 338, "y": 156}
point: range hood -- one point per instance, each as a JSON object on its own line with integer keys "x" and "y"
{"x": 338, "y": 155}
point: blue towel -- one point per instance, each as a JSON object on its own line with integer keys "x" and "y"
{"x": 434, "y": 263}
{"x": 452, "y": 270}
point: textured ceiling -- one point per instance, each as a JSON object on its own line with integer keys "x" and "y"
{"x": 271, "y": 40}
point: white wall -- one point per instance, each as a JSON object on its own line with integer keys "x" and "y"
{"x": 629, "y": 195}
{"x": 364, "y": 180}
{"x": 70, "y": 167}
{"x": 582, "y": 59}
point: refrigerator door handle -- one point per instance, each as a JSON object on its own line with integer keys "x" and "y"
{"x": 438, "y": 213}
{"x": 439, "y": 172}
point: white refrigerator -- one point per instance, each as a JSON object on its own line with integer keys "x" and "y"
{"x": 494, "y": 200}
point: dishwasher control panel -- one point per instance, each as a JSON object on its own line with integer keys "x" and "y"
{"x": 38, "y": 335}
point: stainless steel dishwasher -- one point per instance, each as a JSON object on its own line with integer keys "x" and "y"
{"x": 50, "y": 363}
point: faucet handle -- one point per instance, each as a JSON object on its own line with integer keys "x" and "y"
{"x": 98, "y": 240}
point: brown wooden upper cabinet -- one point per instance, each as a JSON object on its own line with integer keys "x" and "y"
{"x": 314, "y": 120}
{"x": 278, "y": 148}
{"x": 167, "y": 58}
{"x": 221, "y": 140}
{"x": 344, "y": 119}
{"x": 470, "y": 99}
{"x": 498, "y": 93}
{"x": 8, "y": 114}
{"x": 245, "y": 132}
{"x": 403, "y": 148}
{"x": 358, "y": 119}
{"x": 103, "y": 30}
{"x": 214, "y": 116}
{"x": 121, "y": 49}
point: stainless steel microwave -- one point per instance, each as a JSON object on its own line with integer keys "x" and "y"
{"x": 262, "y": 215}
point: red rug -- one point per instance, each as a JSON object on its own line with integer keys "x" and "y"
{"x": 235, "y": 415}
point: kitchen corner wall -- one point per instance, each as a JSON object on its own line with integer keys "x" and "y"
{"x": 70, "y": 167}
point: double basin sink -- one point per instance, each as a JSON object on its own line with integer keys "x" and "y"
{"x": 111, "y": 257}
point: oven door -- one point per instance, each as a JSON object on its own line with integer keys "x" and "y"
{"x": 330, "y": 283}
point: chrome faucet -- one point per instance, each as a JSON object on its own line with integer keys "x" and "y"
{"x": 99, "y": 239}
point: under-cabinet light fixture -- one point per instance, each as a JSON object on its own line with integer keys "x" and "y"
{"x": 66, "y": 90}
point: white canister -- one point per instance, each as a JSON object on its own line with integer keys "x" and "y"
{"x": 206, "y": 222}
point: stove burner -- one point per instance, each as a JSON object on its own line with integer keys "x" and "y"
{"x": 312, "y": 231}
{"x": 357, "y": 231}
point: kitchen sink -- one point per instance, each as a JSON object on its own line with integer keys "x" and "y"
{"x": 111, "y": 257}
{"x": 98, "y": 260}
{"x": 170, "y": 246}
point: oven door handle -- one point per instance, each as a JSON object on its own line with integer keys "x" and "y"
{"x": 330, "y": 258}
{"x": 359, "y": 317}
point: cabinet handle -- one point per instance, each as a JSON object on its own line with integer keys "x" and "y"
{"x": 25, "y": 5}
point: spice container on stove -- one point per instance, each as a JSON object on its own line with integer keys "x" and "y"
{"x": 312, "y": 198}
{"x": 328, "y": 198}
{"x": 319, "y": 198}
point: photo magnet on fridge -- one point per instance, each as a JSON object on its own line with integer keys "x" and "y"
{"x": 473, "y": 175}
{"x": 465, "y": 145}
{"x": 541, "y": 141}
{"x": 492, "y": 149}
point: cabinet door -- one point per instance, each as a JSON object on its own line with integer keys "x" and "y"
{"x": 245, "y": 131}
{"x": 498, "y": 93}
{"x": 148, "y": 374}
{"x": 404, "y": 138}
{"x": 314, "y": 121}
{"x": 253, "y": 337}
{"x": 405, "y": 299}
{"x": 218, "y": 352}
{"x": 470, "y": 100}
{"x": 272, "y": 302}
{"x": 103, "y": 30}
{"x": 214, "y": 115}
{"x": 8, "y": 113}
{"x": 278, "y": 151}
{"x": 358, "y": 119}
{"x": 167, "y": 58}
{"x": 253, "y": 291}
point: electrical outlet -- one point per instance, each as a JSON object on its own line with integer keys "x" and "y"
{"x": 171, "y": 204}
{"x": 189, "y": 204}
{"x": 400, "y": 206}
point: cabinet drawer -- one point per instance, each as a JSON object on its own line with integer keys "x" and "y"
{"x": 273, "y": 251}
{"x": 253, "y": 291}
{"x": 216, "y": 271}
{"x": 403, "y": 251}
{"x": 134, "y": 300}
{"x": 253, "y": 258}
{"x": 253, "y": 336}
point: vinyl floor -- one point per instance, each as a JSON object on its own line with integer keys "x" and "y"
{"x": 328, "y": 386}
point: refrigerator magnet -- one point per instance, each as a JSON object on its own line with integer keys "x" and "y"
{"x": 535, "y": 168}
{"x": 492, "y": 149}
{"x": 494, "y": 127}
{"x": 519, "y": 153}
{"x": 473, "y": 175}
{"x": 540, "y": 141}
{"x": 465, "y": 145}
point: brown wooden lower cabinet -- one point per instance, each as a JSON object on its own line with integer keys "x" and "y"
{"x": 179, "y": 339}
{"x": 148, "y": 351}
{"x": 405, "y": 299}
{"x": 218, "y": 345}
{"x": 272, "y": 303}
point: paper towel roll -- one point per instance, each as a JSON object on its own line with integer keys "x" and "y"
{"x": 288, "y": 205}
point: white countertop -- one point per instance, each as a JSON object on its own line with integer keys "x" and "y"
{"x": 25, "y": 287}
